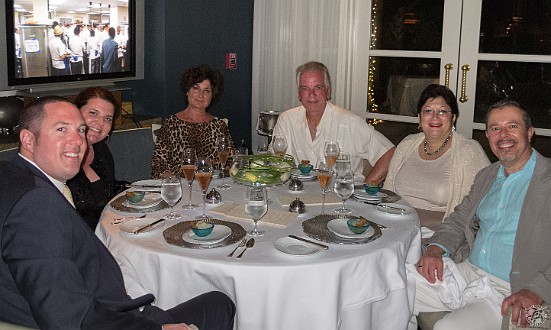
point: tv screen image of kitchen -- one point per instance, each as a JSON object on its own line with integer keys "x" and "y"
{"x": 70, "y": 40}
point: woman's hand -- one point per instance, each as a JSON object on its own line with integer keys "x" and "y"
{"x": 431, "y": 262}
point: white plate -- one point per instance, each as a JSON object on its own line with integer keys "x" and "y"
{"x": 156, "y": 185}
{"x": 149, "y": 200}
{"x": 395, "y": 209}
{"x": 361, "y": 194}
{"x": 127, "y": 228}
{"x": 340, "y": 228}
{"x": 295, "y": 247}
{"x": 218, "y": 234}
{"x": 305, "y": 177}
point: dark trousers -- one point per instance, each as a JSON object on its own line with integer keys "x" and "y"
{"x": 209, "y": 311}
{"x": 76, "y": 68}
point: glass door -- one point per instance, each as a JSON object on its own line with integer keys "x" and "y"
{"x": 483, "y": 50}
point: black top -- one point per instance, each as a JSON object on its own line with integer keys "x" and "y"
{"x": 91, "y": 197}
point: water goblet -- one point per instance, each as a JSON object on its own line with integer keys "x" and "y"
{"x": 343, "y": 162}
{"x": 171, "y": 192}
{"x": 331, "y": 152}
{"x": 188, "y": 169}
{"x": 324, "y": 178}
{"x": 344, "y": 187}
{"x": 279, "y": 144}
{"x": 223, "y": 152}
{"x": 203, "y": 174}
{"x": 256, "y": 207}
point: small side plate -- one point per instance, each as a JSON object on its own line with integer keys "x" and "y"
{"x": 295, "y": 247}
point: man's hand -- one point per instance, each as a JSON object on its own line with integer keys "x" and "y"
{"x": 519, "y": 301}
{"x": 431, "y": 261}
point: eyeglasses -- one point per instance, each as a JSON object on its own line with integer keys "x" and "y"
{"x": 439, "y": 113}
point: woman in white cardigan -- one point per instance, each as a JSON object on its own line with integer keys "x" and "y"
{"x": 433, "y": 170}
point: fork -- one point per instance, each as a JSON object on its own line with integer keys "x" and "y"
{"x": 241, "y": 244}
{"x": 124, "y": 219}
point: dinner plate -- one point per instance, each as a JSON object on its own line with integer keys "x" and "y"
{"x": 295, "y": 247}
{"x": 305, "y": 177}
{"x": 362, "y": 195}
{"x": 395, "y": 209}
{"x": 340, "y": 228}
{"x": 146, "y": 185}
{"x": 149, "y": 200}
{"x": 127, "y": 228}
{"x": 218, "y": 234}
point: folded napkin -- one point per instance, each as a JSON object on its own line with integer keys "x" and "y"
{"x": 309, "y": 198}
{"x": 272, "y": 217}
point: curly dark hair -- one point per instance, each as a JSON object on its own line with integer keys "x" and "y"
{"x": 433, "y": 91}
{"x": 199, "y": 73}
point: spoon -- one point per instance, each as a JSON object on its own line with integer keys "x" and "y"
{"x": 241, "y": 244}
{"x": 250, "y": 244}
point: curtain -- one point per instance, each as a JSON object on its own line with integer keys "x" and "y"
{"x": 288, "y": 33}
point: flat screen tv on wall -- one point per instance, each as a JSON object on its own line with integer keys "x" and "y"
{"x": 70, "y": 44}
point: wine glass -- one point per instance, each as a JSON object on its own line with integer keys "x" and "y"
{"x": 203, "y": 174}
{"x": 343, "y": 162}
{"x": 324, "y": 178}
{"x": 279, "y": 144}
{"x": 344, "y": 187}
{"x": 171, "y": 192}
{"x": 331, "y": 152}
{"x": 188, "y": 168}
{"x": 223, "y": 152}
{"x": 256, "y": 207}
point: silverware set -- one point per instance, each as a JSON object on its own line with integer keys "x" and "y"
{"x": 247, "y": 244}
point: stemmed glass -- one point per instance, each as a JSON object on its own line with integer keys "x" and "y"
{"x": 279, "y": 144}
{"x": 343, "y": 163}
{"x": 223, "y": 152}
{"x": 256, "y": 207}
{"x": 344, "y": 187}
{"x": 324, "y": 178}
{"x": 171, "y": 192}
{"x": 188, "y": 168}
{"x": 331, "y": 152}
{"x": 203, "y": 174}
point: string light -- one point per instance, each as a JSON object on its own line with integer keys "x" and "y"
{"x": 372, "y": 106}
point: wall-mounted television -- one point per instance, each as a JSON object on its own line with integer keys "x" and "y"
{"x": 69, "y": 44}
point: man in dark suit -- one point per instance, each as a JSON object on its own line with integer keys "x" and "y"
{"x": 54, "y": 272}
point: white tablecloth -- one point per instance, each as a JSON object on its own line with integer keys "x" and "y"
{"x": 346, "y": 287}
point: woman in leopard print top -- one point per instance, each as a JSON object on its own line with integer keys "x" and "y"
{"x": 192, "y": 127}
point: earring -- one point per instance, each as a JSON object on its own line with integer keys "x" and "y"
{"x": 453, "y": 127}
{"x": 419, "y": 127}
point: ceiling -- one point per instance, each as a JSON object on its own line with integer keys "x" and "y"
{"x": 75, "y": 6}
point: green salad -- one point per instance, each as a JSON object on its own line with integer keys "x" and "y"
{"x": 262, "y": 169}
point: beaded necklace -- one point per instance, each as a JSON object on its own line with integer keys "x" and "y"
{"x": 437, "y": 150}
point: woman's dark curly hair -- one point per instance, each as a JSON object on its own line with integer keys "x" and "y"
{"x": 199, "y": 73}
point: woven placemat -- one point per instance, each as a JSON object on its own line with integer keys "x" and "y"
{"x": 173, "y": 235}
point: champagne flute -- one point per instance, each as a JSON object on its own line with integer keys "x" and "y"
{"x": 171, "y": 192}
{"x": 203, "y": 174}
{"x": 223, "y": 152}
{"x": 344, "y": 187}
{"x": 188, "y": 168}
{"x": 256, "y": 207}
{"x": 324, "y": 178}
{"x": 331, "y": 152}
{"x": 279, "y": 144}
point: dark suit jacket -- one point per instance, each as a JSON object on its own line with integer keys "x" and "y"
{"x": 54, "y": 272}
{"x": 531, "y": 264}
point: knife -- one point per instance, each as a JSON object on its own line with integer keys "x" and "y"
{"x": 143, "y": 186}
{"x": 139, "y": 230}
{"x": 325, "y": 247}
{"x": 386, "y": 206}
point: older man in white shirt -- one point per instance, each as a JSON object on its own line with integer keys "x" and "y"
{"x": 307, "y": 127}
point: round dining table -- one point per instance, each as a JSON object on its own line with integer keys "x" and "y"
{"x": 347, "y": 286}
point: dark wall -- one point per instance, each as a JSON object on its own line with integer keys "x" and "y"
{"x": 180, "y": 34}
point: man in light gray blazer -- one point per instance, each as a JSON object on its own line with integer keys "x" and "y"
{"x": 497, "y": 239}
